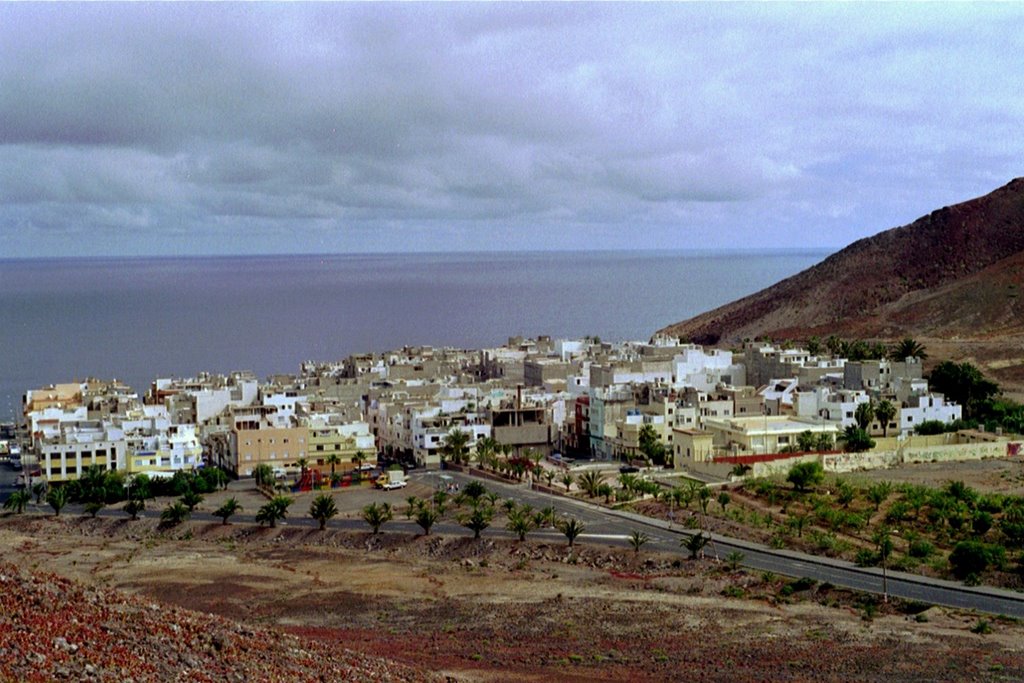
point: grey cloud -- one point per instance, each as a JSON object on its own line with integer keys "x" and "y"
{"x": 349, "y": 121}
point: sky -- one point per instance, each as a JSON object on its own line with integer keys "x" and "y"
{"x": 193, "y": 129}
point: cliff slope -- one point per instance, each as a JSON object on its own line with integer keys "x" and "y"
{"x": 956, "y": 273}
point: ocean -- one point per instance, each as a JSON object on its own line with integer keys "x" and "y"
{"x": 139, "y": 318}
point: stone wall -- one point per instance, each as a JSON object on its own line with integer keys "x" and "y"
{"x": 850, "y": 462}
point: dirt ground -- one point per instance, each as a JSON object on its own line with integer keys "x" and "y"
{"x": 999, "y": 475}
{"x": 497, "y": 610}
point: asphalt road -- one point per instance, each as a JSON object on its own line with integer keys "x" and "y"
{"x": 614, "y": 528}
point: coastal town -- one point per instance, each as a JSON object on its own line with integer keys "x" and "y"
{"x": 709, "y": 412}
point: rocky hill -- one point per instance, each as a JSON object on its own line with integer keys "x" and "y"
{"x": 956, "y": 273}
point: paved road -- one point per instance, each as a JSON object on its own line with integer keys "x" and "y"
{"x": 610, "y": 525}
{"x": 614, "y": 527}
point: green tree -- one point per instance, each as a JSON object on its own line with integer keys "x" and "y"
{"x": 273, "y": 510}
{"x": 864, "y": 414}
{"x": 734, "y": 560}
{"x": 263, "y": 474}
{"x": 704, "y": 497}
{"x": 825, "y": 442}
{"x": 804, "y": 475}
{"x": 57, "y": 497}
{"x": 374, "y": 514}
{"x": 93, "y": 507}
{"x": 971, "y": 558}
{"x": 806, "y": 441}
{"x": 878, "y": 493}
{"x": 814, "y": 346}
{"x": 964, "y": 384}
{"x": 455, "y": 445}
{"x": 695, "y": 544}
{"x": 651, "y": 446}
{"x": 572, "y": 528}
{"x": 589, "y": 482}
{"x": 723, "y": 500}
{"x": 478, "y": 518}
{"x": 485, "y": 450}
{"x": 39, "y": 490}
{"x": 228, "y": 509}
{"x": 17, "y": 501}
{"x": 475, "y": 490}
{"x": 133, "y": 507}
{"x": 637, "y": 540}
{"x": 907, "y": 348}
{"x": 191, "y": 500}
{"x": 885, "y": 411}
{"x": 322, "y": 509}
{"x": 567, "y": 481}
{"x": 856, "y": 440}
{"x": 426, "y": 517}
{"x": 174, "y": 514}
{"x": 845, "y": 493}
{"x": 521, "y": 523}
{"x": 333, "y": 459}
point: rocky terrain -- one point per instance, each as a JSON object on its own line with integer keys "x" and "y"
{"x": 111, "y": 599}
{"x": 52, "y": 629}
{"x": 955, "y": 274}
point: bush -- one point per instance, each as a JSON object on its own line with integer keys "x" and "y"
{"x": 974, "y": 557}
{"x": 920, "y": 549}
{"x": 803, "y": 475}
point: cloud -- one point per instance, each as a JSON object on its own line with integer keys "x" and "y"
{"x": 397, "y": 126}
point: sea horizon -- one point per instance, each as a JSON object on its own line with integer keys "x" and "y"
{"x": 138, "y": 318}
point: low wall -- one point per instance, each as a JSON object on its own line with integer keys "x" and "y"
{"x": 851, "y": 462}
{"x": 781, "y": 467}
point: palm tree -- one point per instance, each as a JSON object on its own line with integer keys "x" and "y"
{"x": 908, "y": 348}
{"x": 39, "y": 490}
{"x": 723, "y": 500}
{"x": 264, "y": 474}
{"x": 412, "y": 504}
{"x": 478, "y": 519}
{"x": 57, "y": 497}
{"x": 885, "y": 411}
{"x": 322, "y": 509}
{"x": 376, "y": 515}
{"x": 521, "y": 523}
{"x": 590, "y": 481}
{"x": 572, "y": 528}
{"x": 546, "y": 516}
{"x": 333, "y": 460}
{"x": 17, "y": 501}
{"x": 485, "y": 449}
{"x": 174, "y": 514}
{"x": 229, "y": 508}
{"x": 864, "y": 414}
{"x": 638, "y": 539}
{"x": 695, "y": 544}
{"x": 133, "y": 507}
{"x": 191, "y": 499}
{"x": 303, "y": 464}
{"x": 275, "y": 509}
{"x": 93, "y": 507}
{"x": 454, "y": 447}
{"x": 426, "y": 517}
{"x": 567, "y": 481}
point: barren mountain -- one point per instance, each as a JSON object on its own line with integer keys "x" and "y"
{"x": 954, "y": 274}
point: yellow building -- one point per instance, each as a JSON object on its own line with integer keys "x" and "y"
{"x": 279, "y": 447}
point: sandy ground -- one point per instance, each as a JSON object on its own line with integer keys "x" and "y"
{"x": 497, "y": 610}
{"x": 1003, "y": 475}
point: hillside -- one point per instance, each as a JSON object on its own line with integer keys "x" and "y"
{"x": 953, "y": 274}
